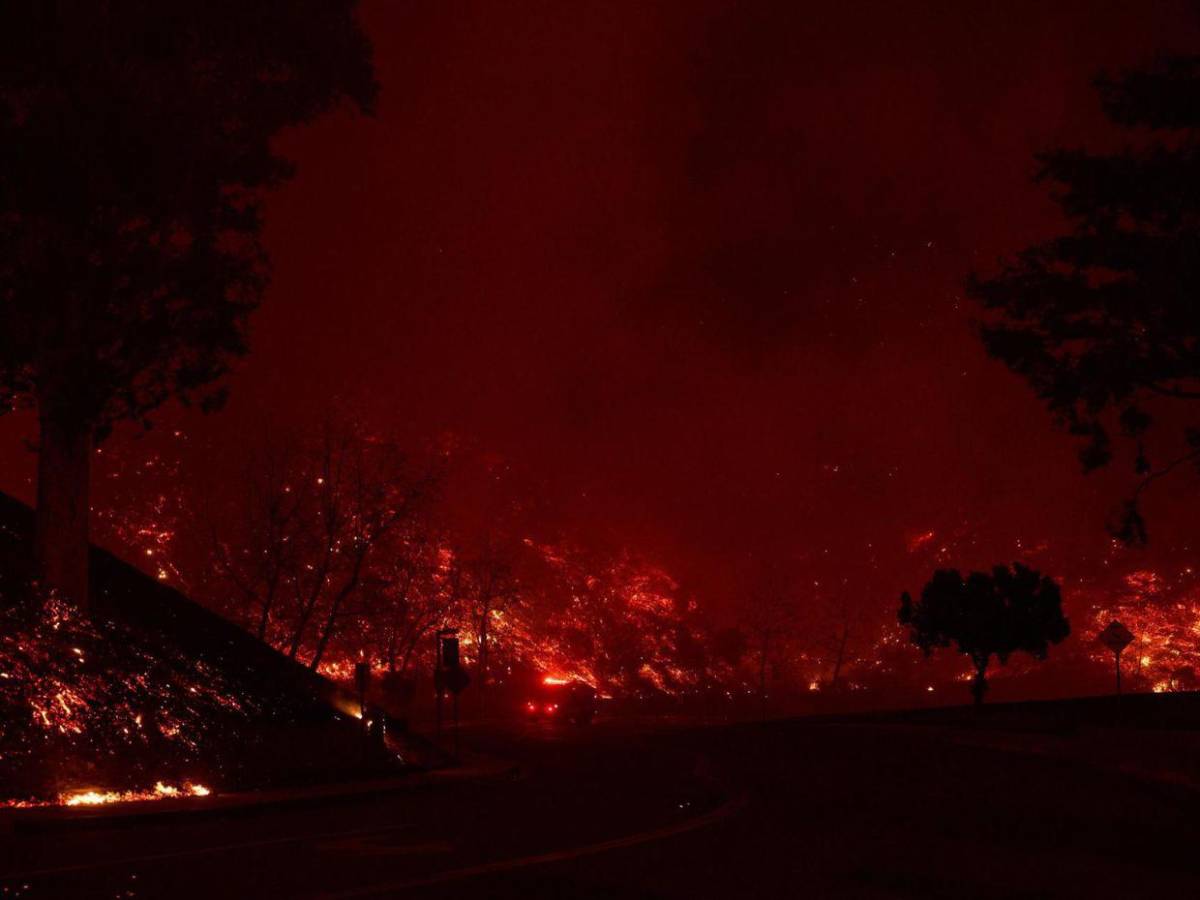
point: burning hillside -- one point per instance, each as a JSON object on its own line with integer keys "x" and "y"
{"x": 88, "y": 702}
{"x": 1163, "y": 613}
{"x": 147, "y": 696}
{"x": 338, "y": 546}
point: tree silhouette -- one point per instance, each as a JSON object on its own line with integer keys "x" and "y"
{"x": 135, "y": 142}
{"x": 987, "y": 615}
{"x": 490, "y": 587}
{"x": 1102, "y": 321}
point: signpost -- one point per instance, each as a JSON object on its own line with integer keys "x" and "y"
{"x": 1116, "y": 637}
{"x": 448, "y": 675}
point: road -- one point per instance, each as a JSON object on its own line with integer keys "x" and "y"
{"x": 623, "y": 810}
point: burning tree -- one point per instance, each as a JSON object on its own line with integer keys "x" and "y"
{"x": 255, "y": 545}
{"x": 301, "y": 541}
{"x": 135, "y": 141}
{"x": 772, "y": 617}
{"x": 1163, "y": 613}
{"x": 615, "y": 621}
{"x": 487, "y": 585}
{"x": 987, "y": 615}
{"x": 837, "y": 624}
{"x": 415, "y": 590}
{"x": 283, "y": 554}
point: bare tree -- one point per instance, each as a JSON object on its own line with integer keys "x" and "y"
{"x": 308, "y": 522}
{"x": 838, "y": 619}
{"x": 378, "y": 495}
{"x": 322, "y": 536}
{"x": 770, "y": 618}
{"x": 417, "y": 592}
{"x": 489, "y": 587}
{"x": 254, "y": 547}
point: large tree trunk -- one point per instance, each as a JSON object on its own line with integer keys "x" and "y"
{"x": 61, "y": 524}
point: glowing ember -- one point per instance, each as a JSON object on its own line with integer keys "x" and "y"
{"x": 95, "y": 797}
{"x": 1163, "y": 613}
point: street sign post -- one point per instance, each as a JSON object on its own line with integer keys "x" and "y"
{"x": 1116, "y": 637}
{"x": 448, "y": 675}
{"x": 449, "y": 650}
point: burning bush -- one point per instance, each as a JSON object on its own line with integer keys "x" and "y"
{"x": 87, "y": 702}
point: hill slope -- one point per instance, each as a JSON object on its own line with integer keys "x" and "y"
{"x": 151, "y": 687}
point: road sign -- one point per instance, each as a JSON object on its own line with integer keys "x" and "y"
{"x": 1116, "y": 637}
{"x": 449, "y": 652}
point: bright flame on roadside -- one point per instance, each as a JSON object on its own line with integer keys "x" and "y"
{"x": 554, "y": 679}
{"x": 93, "y": 797}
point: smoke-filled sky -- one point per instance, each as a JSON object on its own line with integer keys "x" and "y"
{"x": 694, "y": 269}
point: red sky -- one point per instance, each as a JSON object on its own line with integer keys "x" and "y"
{"x": 694, "y": 269}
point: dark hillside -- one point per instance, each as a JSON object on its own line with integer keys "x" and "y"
{"x": 152, "y": 688}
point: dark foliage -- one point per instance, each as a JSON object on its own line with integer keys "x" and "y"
{"x": 1103, "y": 321}
{"x": 135, "y": 143}
{"x": 985, "y": 615}
{"x": 134, "y": 137}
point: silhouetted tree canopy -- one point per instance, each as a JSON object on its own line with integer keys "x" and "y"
{"x": 986, "y": 615}
{"x": 1103, "y": 321}
{"x": 135, "y": 143}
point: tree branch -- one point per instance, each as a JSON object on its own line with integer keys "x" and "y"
{"x": 1169, "y": 391}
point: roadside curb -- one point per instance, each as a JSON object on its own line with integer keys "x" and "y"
{"x": 55, "y": 818}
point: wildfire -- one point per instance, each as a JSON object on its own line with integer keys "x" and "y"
{"x": 80, "y": 691}
{"x": 1164, "y": 616}
{"x": 101, "y": 797}
{"x": 160, "y": 791}
{"x": 917, "y": 541}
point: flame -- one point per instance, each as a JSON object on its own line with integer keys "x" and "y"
{"x": 160, "y": 791}
{"x": 1163, "y": 614}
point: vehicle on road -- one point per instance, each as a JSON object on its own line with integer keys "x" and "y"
{"x": 572, "y": 702}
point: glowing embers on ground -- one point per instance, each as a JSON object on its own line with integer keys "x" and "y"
{"x": 160, "y": 791}
{"x": 102, "y": 797}
{"x": 88, "y": 696}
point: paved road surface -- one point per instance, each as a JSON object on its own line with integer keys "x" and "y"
{"x": 778, "y": 810}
